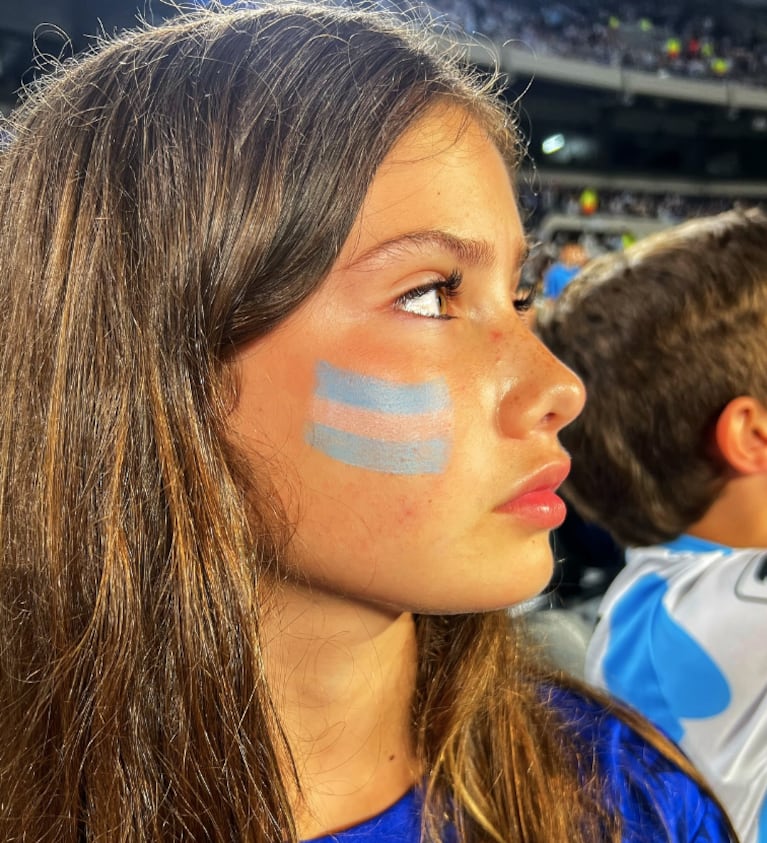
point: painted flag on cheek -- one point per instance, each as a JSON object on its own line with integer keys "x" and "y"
{"x": 380, "y": 425}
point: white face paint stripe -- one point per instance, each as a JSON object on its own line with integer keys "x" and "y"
{"x": 391, "y": 427}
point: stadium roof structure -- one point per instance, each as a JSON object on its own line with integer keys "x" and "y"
{"x": 579, "y": 117}
{"x": 618, "y": 124}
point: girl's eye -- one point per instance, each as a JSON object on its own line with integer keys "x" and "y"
{"x": 430, "y": 300}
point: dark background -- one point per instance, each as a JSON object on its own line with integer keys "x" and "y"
{"x": 59, "y": 27}
{"x": 645, "y": 135}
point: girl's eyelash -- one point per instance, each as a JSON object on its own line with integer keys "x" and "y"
{"x": 452, "y": 283}
{"x": 449, "y": 286}
{"x": 524, "y": 302}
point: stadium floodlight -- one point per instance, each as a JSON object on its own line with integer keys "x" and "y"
{"x": 553, "y": 144}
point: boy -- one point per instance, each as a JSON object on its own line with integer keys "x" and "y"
{"x": 670, "y": 455}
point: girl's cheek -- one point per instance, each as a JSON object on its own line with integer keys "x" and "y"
{"x": 380, "y": 425}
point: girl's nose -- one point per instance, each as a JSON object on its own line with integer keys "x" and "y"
{"x": 543, "y": 395}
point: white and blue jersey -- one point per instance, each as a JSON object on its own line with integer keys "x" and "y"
{"x": 682, "y": 637}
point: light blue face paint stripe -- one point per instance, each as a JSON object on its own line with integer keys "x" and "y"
{"x": 383, "y": 396}
{"x": 426, "y": 457}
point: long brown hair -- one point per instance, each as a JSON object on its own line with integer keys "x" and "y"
{"x": 165, "y": 199}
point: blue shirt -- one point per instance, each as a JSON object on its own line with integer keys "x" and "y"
{"x": 650, "y": 792}
{"x": 556, "y": 278}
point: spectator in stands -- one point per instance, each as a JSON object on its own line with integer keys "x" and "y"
{"x": 680, "y": 42}
{"x": 572, "y": 256}
{"x": 670, "y": 455}
{"x": 278, "y": 448}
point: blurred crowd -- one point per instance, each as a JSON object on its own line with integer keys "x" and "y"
{"x": 606, "y": 218}
{"x": 689, "y": 39}
{"x": 667, "y": 208}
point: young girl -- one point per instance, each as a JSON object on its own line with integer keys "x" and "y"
{"x": 277, "y": 447}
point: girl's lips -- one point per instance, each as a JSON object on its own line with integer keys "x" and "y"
{"x": 537, "y": 501}
{"x": 542, "y": 508}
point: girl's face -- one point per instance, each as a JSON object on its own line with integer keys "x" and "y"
{"x": 407, "y": 413}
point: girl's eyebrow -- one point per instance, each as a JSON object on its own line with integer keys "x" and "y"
{"x": 467, "y": 251}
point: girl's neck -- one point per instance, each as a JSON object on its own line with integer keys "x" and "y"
{"x": 342, "y": 675}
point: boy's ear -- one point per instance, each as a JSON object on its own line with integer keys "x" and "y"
{"x": 741, "y": 435}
